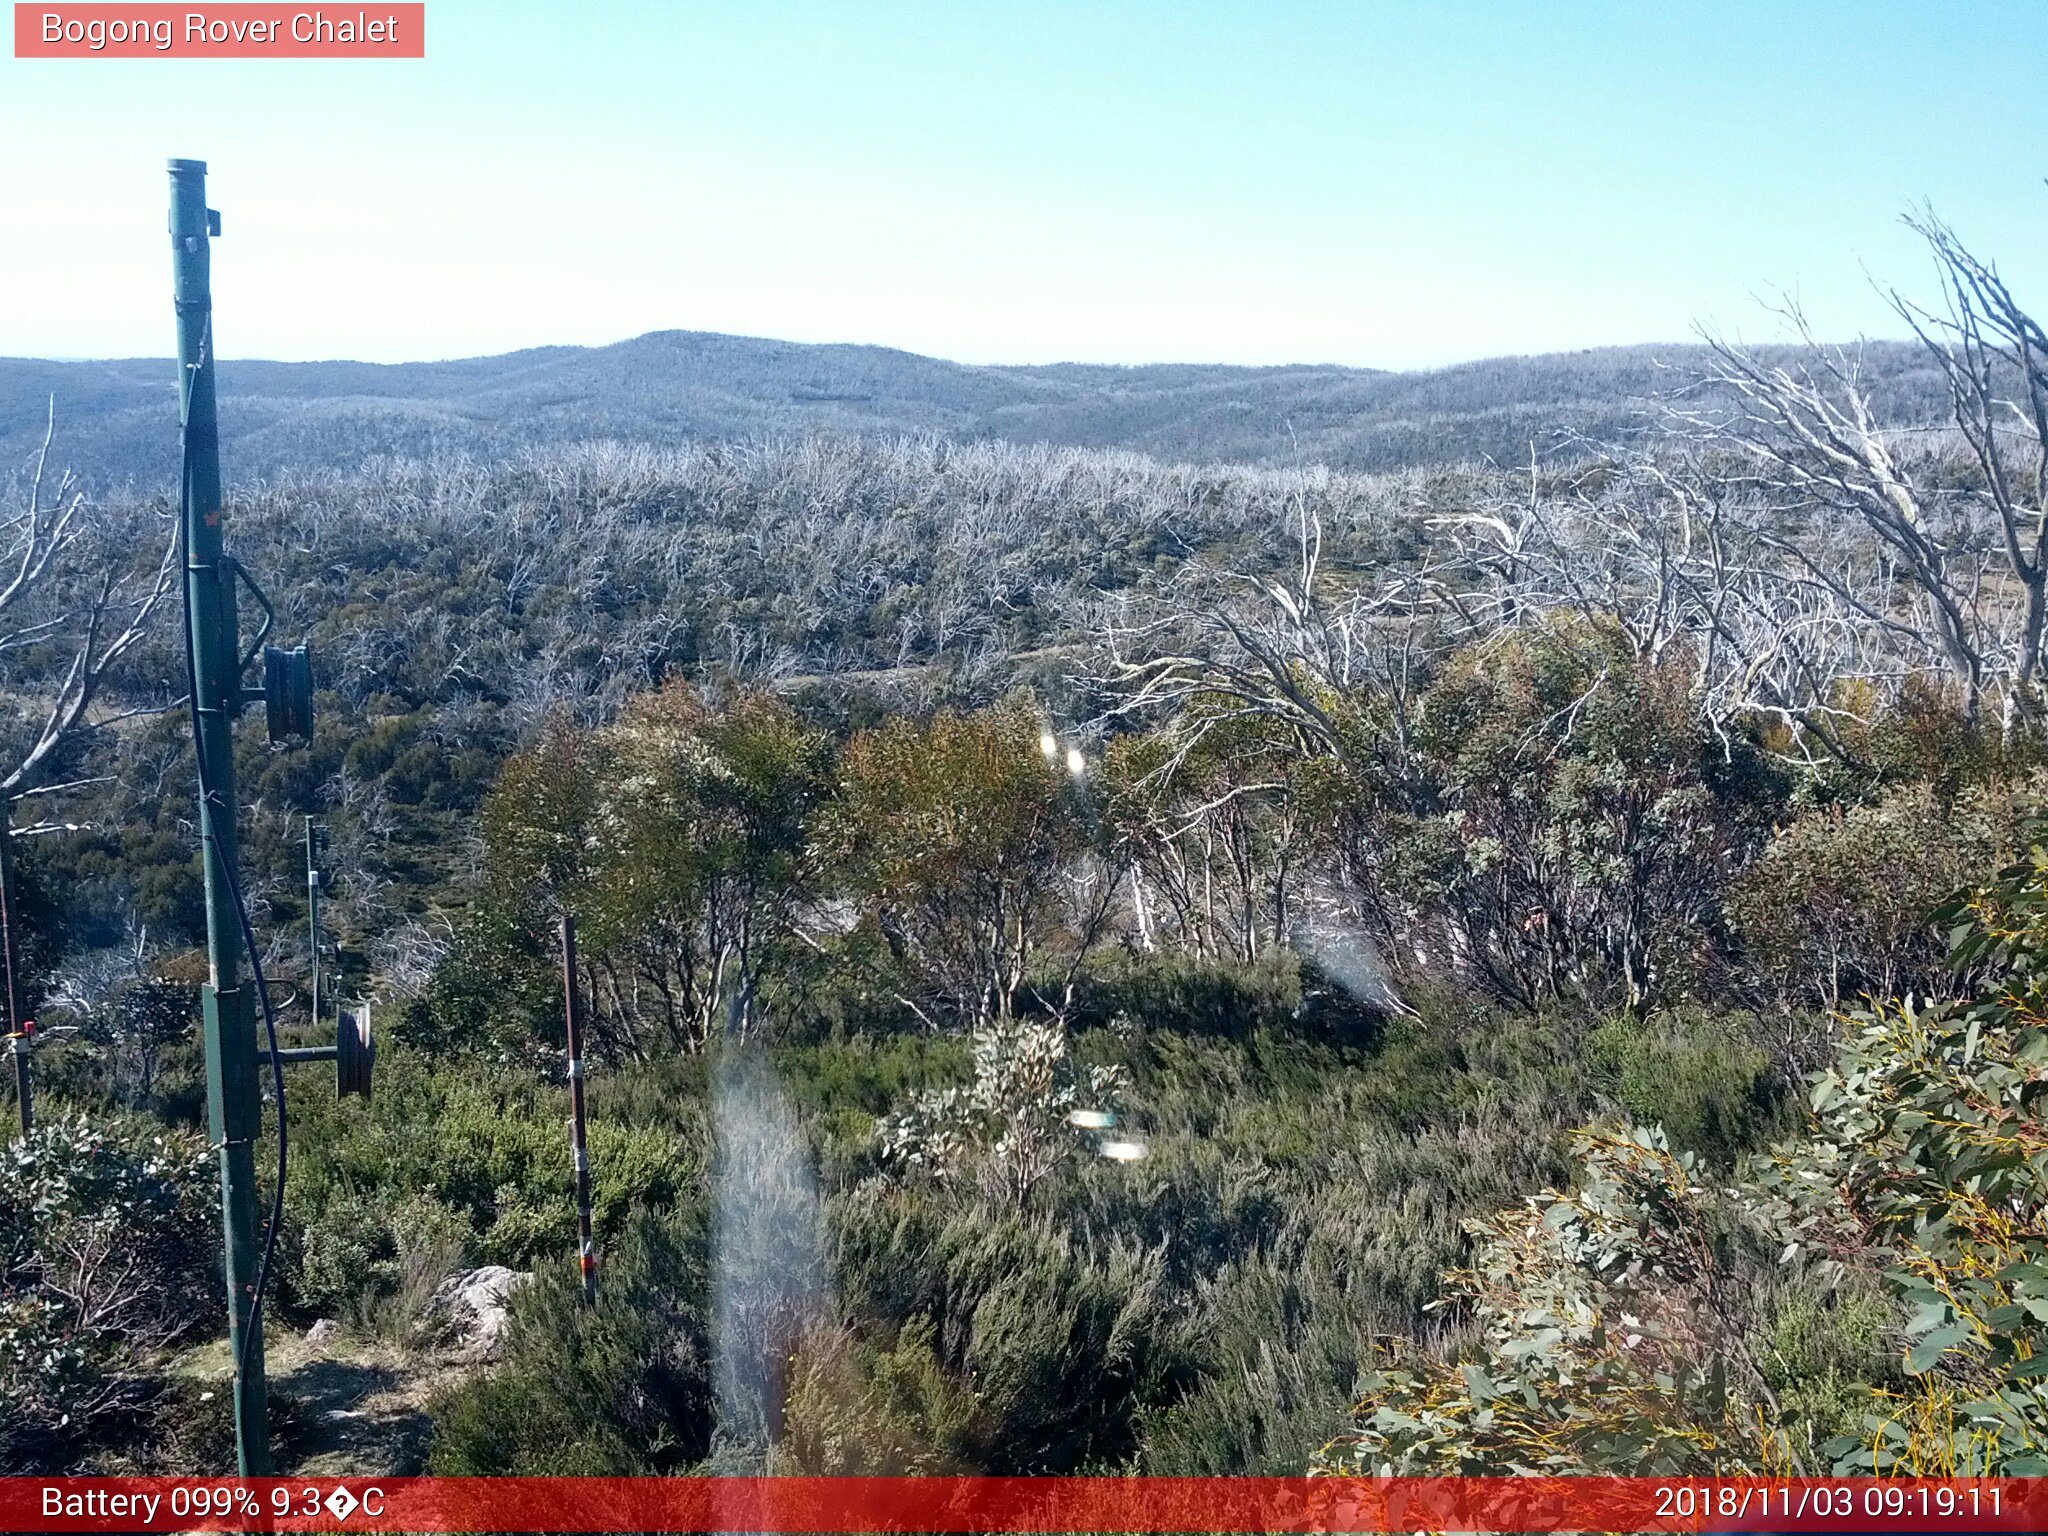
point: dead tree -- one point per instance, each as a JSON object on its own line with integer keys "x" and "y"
{"x": 1994, "y": 357}
{"x": 1292, "y": 646}
{"x": 1957, "y": 520}
{"x": 1668, "y": 551}
{"x": 75, "y": 601}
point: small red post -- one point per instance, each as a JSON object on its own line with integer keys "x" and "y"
{"x": 20, "y": 1031}
{"x": 587, "y": 1251}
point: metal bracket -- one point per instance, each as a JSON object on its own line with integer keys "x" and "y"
{"x": 354, "y": 1052}
{"x": 287, "y": 691}
{"x": 241, "y": 574}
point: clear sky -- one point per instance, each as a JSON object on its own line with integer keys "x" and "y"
{"x": 1377, "y": 183}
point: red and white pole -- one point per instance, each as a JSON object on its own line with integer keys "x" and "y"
{"x": 587, "y": 1251}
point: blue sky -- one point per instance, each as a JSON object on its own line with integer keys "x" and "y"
{"x": 1384, "y": 184}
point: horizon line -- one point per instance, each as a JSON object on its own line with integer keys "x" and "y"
{"x": 876, "y": 346}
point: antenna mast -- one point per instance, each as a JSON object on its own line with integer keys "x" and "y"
{"x": 234, "y": 1099}
{"x": 216, "y": 662}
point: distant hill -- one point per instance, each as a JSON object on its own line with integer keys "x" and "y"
{"x": 117, "y": 419}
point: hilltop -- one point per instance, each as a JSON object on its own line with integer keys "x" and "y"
{"x": 117, "y": 419}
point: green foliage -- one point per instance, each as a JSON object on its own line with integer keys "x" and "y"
{"x": 1542, "y": 818}
{"x": 441, "y": 1167}
{"x": 1923, "y": 734}
{"x": 1029, "y": 1106}
{"x": 1930, "y": 1156}
{"x": 677, "y": 835}
{"x": 1460, "y": 1058}
{"x": 1133, "y": 1316}
{"x": 955, "y": 836}
{"x": 1059, "y": 1337}
{"x": 126, "y": 1024}
{"x": 1610, "y": 1321}
{"x": 1633, "y": 1324}
{"x": 375, "y": 1261}
{"x": 1701, "y": 1077}
{"x": 493, "y": 995}
{"x": 857, "y": 1409}
{"x": 1841, "y": 903}
{"x": 106, "y": 1253}
{"x": 1276, "y": 1371}
{"x": 1557, "y": 822}
{"x": 1183, "y": 994}
{"x": 1829, "y": 1346}
{"x": 622, "y": 1388}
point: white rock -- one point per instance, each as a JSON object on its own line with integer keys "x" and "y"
{"x": 325, "y": 1331}
{"x": 475, "y": 1305}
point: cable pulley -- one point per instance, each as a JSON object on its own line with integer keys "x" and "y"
{"x": 288, "y": 693}
{"x": 355, "y": 1053}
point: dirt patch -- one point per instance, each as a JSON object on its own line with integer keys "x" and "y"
{"x": 355, "y": 1407}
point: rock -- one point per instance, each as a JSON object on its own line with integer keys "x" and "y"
{"x": 475, "y": 1306}
{"x": 325, "y": 1331}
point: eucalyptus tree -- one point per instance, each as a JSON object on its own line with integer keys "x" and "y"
{"x": 965, "y": 851}
{"x": 678, "y": 835}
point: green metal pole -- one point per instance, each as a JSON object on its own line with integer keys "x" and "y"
{"x": 234, "y": 1101}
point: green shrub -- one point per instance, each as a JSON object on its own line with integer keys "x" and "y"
{"x": 1555, "y": 820}
{"x": 1612, "y": 1318}
{"x": 1281, "y": 1352}
{"x": 1827, "y": 1347}
{"x": 1648, "y": 1319}
{"x": 888, "y": 1409}
{"x": 1010, "y": 1125}
{"x": 335, "y": 1252}
{"x": 474, "y": 1162}
{"x": 1061, "y": 1339}
{"x": 1700, "y": 1076}
{"x": 1840, "y": 904}
{"x": 107, "y": 1253}
{"x": 1460, "y": 1057}
{"x": 1189, "y": 996}
{"x": 620, "y": 1388}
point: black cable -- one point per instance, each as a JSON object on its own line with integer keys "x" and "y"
{"x": 234, "y": 885}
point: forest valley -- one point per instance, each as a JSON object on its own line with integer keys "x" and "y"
{"x": 1092, "y": 964}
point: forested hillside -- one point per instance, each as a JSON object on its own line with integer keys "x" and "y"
{"x": 675, "y": 387}
{"x": 1094, "y": 961}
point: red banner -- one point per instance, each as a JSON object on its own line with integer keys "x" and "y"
{"x": 992, "y": 1504}
{"x": 236, "y": 31}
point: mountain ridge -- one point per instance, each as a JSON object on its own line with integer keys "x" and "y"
{"x": 116, "y": 418}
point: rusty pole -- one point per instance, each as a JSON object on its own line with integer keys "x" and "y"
{"x": 19, "y": 1030}
{"x": 586, "y": 1252}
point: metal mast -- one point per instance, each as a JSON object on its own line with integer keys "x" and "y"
{"x": 234, "y": 1063}
{"x": 234, "y": 1102}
